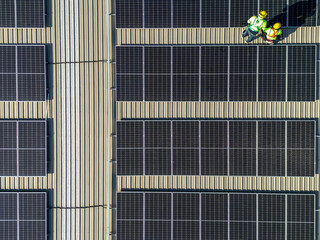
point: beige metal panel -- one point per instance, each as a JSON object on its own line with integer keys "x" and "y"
{"x": 128, "y": 110}
{"x": 207, "y": 36}
{"x": 23, "y": 110}
{"x": 93, "y": 105}
{"x": 218, "y": 183}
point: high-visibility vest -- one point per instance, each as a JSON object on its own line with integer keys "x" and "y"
{"x": 272, "y": 33}
{"x": 255, "y": 24}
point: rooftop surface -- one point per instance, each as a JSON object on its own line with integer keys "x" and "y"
{"x": 81, "y": 112}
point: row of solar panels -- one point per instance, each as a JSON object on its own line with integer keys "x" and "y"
{"x": 23, "y": 148}
{"x": 22, "y": 13}
{"x": 23, "y": 215}
{"x": 212, "y": 13}
{"x": 216, "y": 73}
{"x": 207, "y": 216}
{"x": 22, "y": 73}
{"x": 216, "y": 147}
{"x": 23, "y": 144}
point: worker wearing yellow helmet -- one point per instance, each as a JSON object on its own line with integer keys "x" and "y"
{"x": 255, "y": 24}
{"x": 273, "y": 33}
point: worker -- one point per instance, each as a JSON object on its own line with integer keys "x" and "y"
{"x": 255, "y": 24}
{"x": 272, "y": 33}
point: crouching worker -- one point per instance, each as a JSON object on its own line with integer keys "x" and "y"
{"x": 255, "y": 24}
{"x": 272, "y": 34}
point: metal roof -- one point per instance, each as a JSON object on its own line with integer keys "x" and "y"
{"x": 81, "y": 119}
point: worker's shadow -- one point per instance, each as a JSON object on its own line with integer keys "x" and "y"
{"x": 302, "y": 13}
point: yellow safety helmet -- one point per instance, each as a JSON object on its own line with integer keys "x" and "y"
{"x": 263, "y": 14}
{"x": 277, "y": 25}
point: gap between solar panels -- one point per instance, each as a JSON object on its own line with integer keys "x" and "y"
{"x": 22, "y": 73}
{"x": 216, "y": 73}
{"x": 215, "y": 215}
{"x": 217, "y": 147}
{"x": 23, "y": 215}
{"x": 22, "y": 13}
{"x": 212, "y": 13}
{"x": 23, "y": 148}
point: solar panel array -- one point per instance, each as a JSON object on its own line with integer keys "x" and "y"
{"x": 216, "y": 73}
{"x": 216, "y": 147}
{"x": 23, "y": 216}
{"x": 22, "y": 14}
{"x": 238, "y": 216}
{"x": 23, "y": 148}
{"x": 22, "y": 73}
{"x": 212, "y": 13}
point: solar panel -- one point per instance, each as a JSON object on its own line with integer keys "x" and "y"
{"x": 216, "y": 73}
{"x": 157, "y": 13}
{"x": 7, "y": 16}
{"x": 185, "y": 161}
{"x": 161, "y": 64}
{"x": 300, "y": 148}
{"x": 8, "y": 230}
{"x": 22, "y": 14}
{"x": 216, "y": 147}
{"x": 7, "y": 59}
{"x": 303, "y": 231}
{"x": 213, "y": 215}
{"x": 212, "y": 13}
{"x": 130, "y": 162}
{"x": 129, "y": 74}
{"x": 185, "y": 230}
{"x": 272, "y": 231}
{"x": 214, "y": 207}
{"x": 129, "y": 60}
{"x": 302, "y": 13}
{"x": 243, "y": 231}
{"x": 158, "y": 230}
{"x": 214, "y": 87}
{"x": 242, "y": 11}
{"x": 272, "y": 208}
{"x": 23, "y": 73}
{"x": 277, "y": 11}
{"x": 8, "y": 91}
{"x": 158, "y": 206}
{"x": 23, "y": 148}
{"x": 157, "y": 74}
{"x": 158, "y": 161}
{"x": 186, "y": 13}
{"x": 272, "y": 87}
{"x": 129, "y": 13}
{"x": 214, "y": 230}
{"x": 23, "y": 215}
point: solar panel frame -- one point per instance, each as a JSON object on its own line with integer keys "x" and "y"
{"x": 37, "y": 96}
{"x": 251, "y": 93}
{"x": 222, "y": 149}
{"x": 31, "y": 27}
{"x": 196, "y": 216}
{"x": 43, "y": 169}
{"x": 227, "y": 21}
{"x": 18, "y": 220}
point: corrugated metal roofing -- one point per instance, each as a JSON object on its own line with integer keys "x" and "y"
{"x": 76, "y": 39}
{"x": 207, "y": 36}
{"x": 80, "y": 118}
